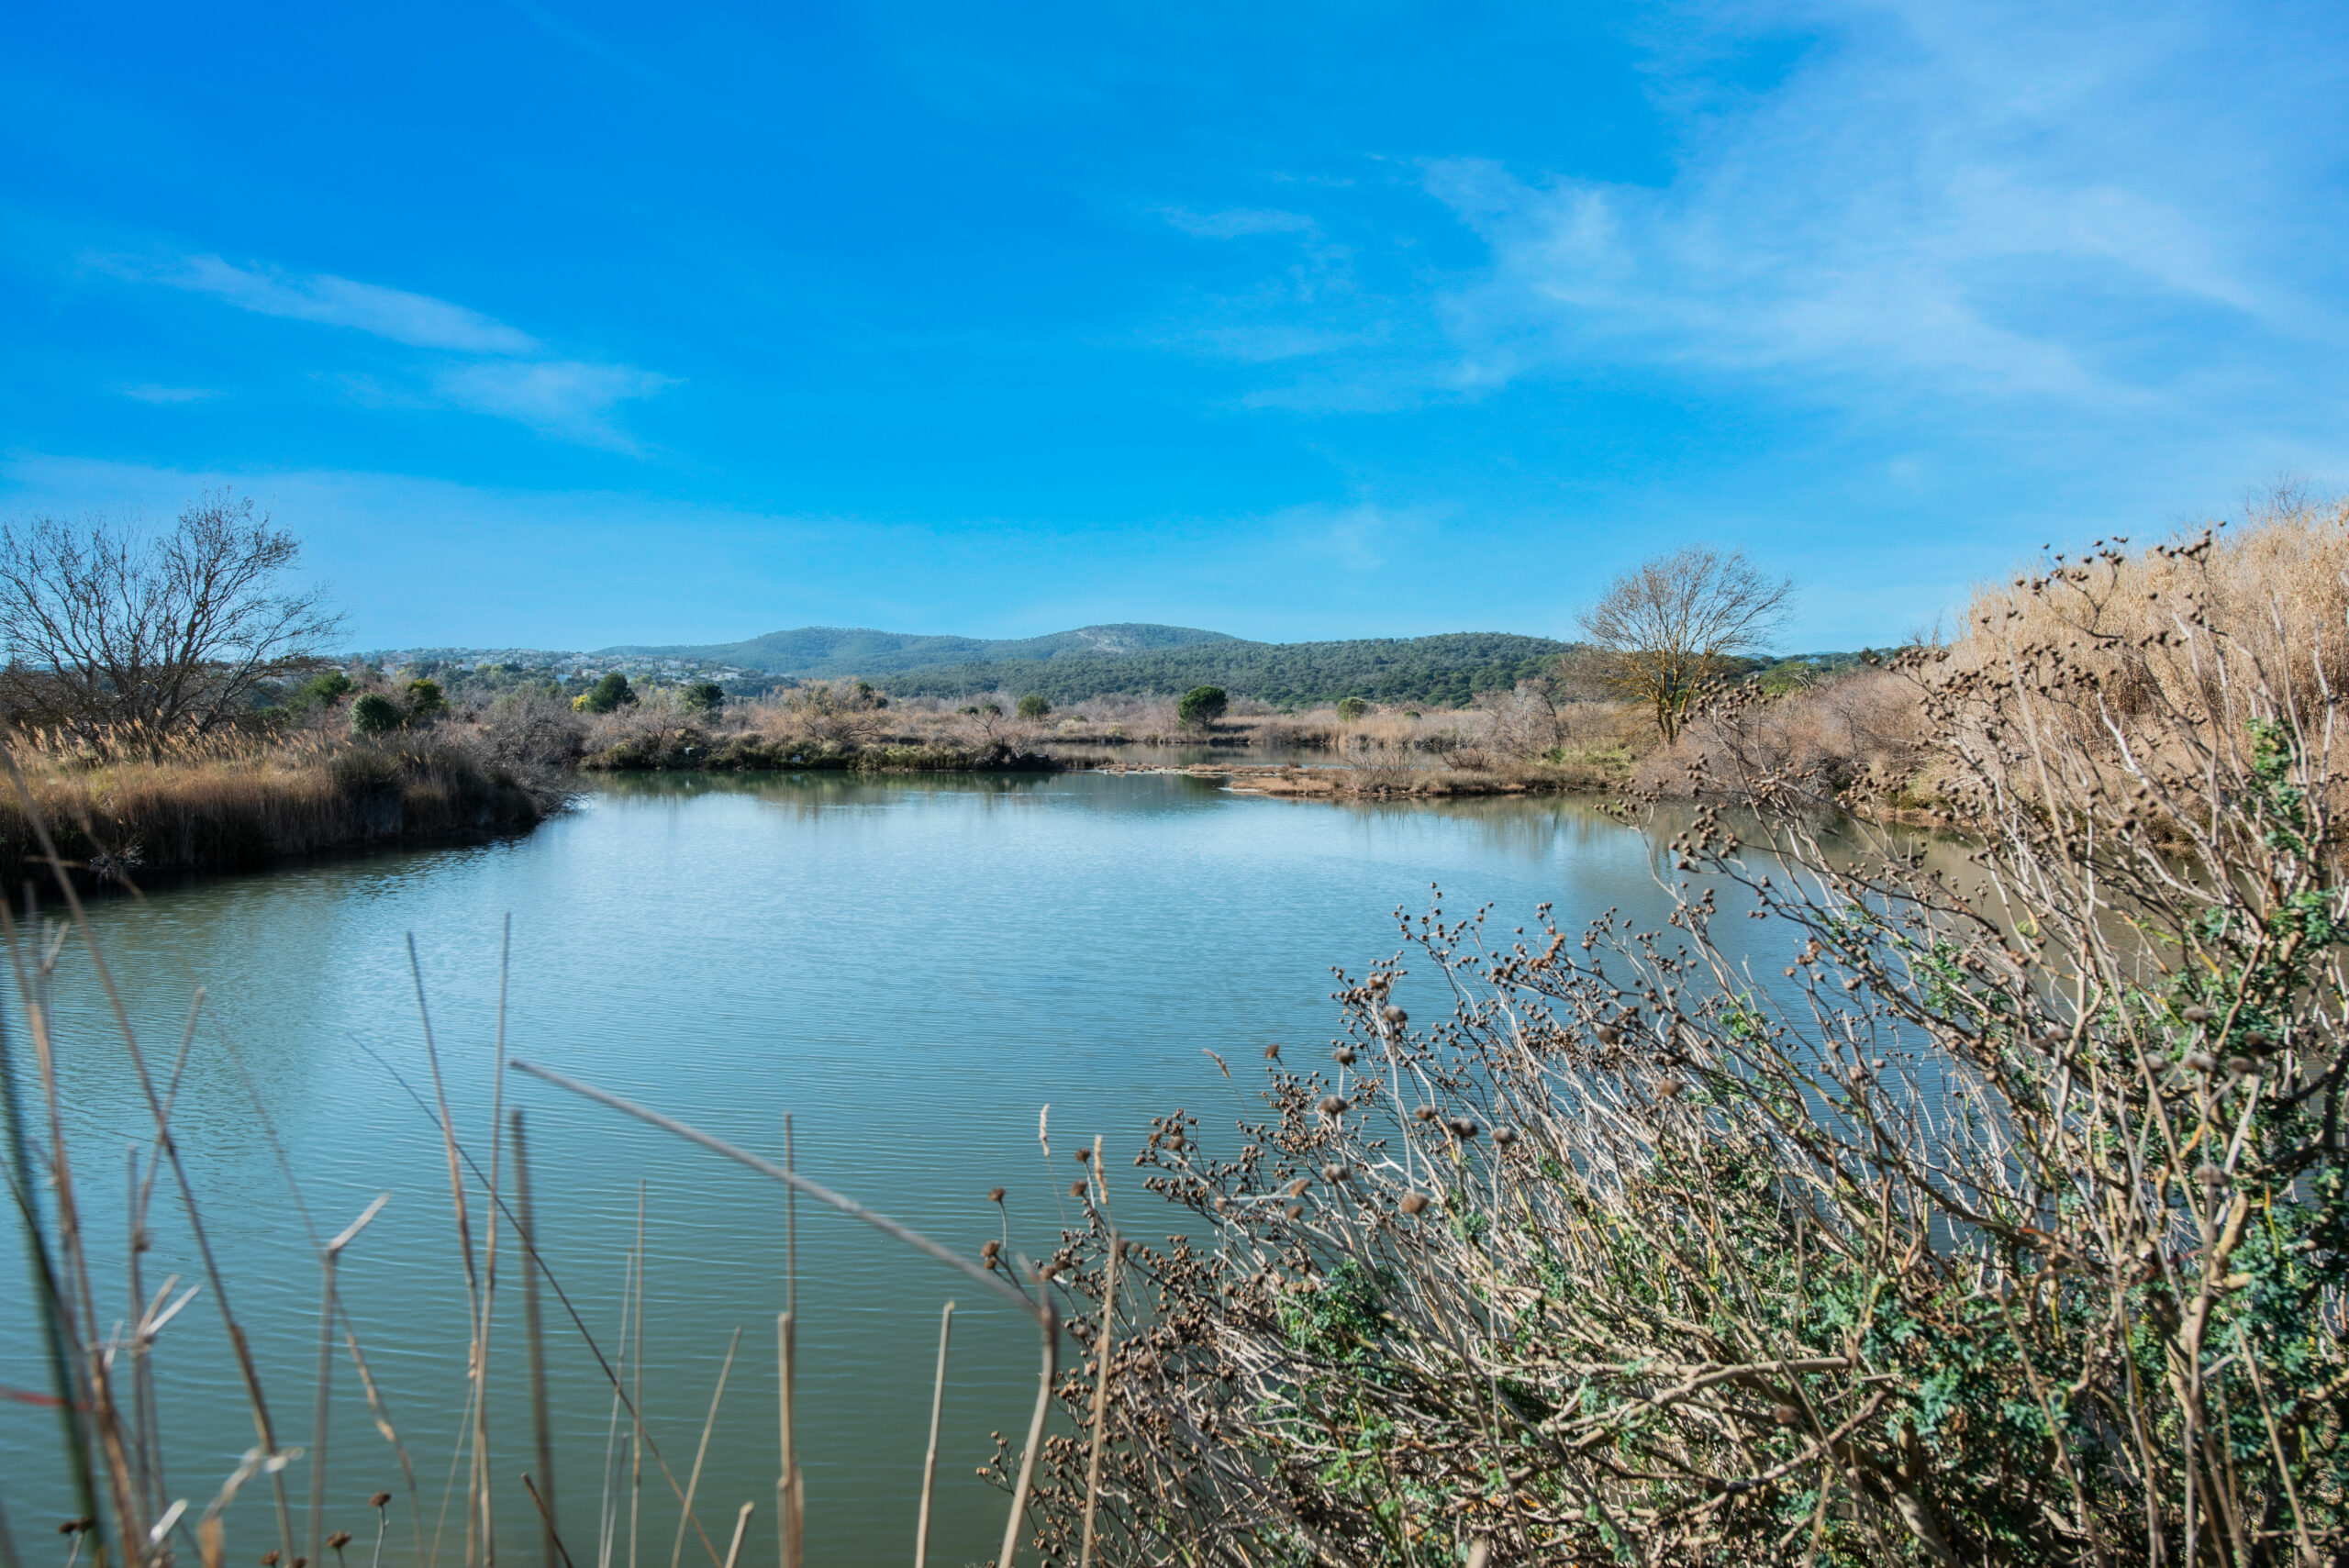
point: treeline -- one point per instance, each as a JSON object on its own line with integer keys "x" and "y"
{"x": 1447, "y": 669}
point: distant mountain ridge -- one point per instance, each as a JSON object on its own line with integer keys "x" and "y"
{"x": 1450, "y": 668}
{"x": 830, "y": 651}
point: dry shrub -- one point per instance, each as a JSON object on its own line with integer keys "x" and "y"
{"x": 2100, "y": 644}
{"x": 1864, "y": 732}
{"x": 1377, "y": 765}
{"x": 533, "y": 729}
{"x": 2013, "y": 1227}
{"x": 1523, "y": 723}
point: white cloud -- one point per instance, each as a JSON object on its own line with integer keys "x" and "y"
{"x": 418, "y": 320}
{"x": 509, "y": 374}
{"x": 565, "y": 398}
{"x": 1994, "y": 200}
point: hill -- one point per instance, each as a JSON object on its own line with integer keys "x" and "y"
{"x": 828, "y": 651}
{"x": 1447, "y": 669}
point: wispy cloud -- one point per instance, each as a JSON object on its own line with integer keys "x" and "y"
{"x": 2021, "y": 201}
{"x": 417, "y": 320}
{"x": 148, "y": 391}
{"x": 505, "y": 373}
{"x": 563, "y": 399}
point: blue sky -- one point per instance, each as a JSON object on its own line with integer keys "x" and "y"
{"x": 561, "y": 325}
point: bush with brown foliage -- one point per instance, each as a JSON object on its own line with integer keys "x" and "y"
{"x": 2013, "y": 1225}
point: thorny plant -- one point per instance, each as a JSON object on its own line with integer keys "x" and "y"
{"x": 2006, "y": 1225}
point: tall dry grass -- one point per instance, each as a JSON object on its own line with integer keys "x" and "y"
{"x": 2093, "y": 646}
{"x": 170, "y": 805}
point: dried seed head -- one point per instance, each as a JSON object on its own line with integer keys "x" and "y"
{"x": 1504, "y": 1136}
{"x": 1786, "y": 1415}
{"x": 1083, "y": 1155}
{"x": 1333, "y": 1105}
{"x": 1174, "y": 1140}
{"x": 1461, "y": 1126}
{"x": 1077, "y": 1189}
{"x": 990, "y": 1250}
{"x": 1273, "y": 1052}
{"x": 1295, "y": 1211}
{"x": 1426, "y": 1113}
{"x": 380, "y": 1499}
{"x": 1608, "y": 1034}
{"x": 1297, "y": 1188}
{"x": 1334, "y": 1172}
{"x": 2201, "y": 1061}
{"x": 1670, "y": 1089}
{"x": 269, "y": 1559}
{"x": 995, "y": 1194}
{"x": 339, "y": 1539}
{"x": 1395, "y": 1014}
{"x": 2210, "y": 1175}
{"x": 2197, "y": 1015}
{"x": 2242, "y": 1066}
{"x": 1413, "y": 1201}
{"x": 1344, "y": 1056}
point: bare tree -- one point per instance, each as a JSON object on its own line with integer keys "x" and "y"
{"x": 174, "y": 632}
{"x": 1673, "y": 621}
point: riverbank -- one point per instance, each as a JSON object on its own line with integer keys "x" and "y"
{"x": 688, "y": 749}
{"x": 229, "y": 806}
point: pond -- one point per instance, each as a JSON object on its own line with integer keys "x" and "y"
{"x": 911, "y": 970}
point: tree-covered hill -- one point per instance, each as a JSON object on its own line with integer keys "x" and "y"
{"x": 831, "y": 651}
{"x": 1447, "y": 669}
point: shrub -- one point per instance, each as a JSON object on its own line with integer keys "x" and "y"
{"x": 425, "y": 701}
{"x": 607, "y": 695}
{"x": 1201, "y": 706}
{"x": 1351, "y": 708}
{"x": 323, "y": 691}
{"x": 1033, "y": 705}
{"x": 2011, "y": 1227}
{"x": 703, "y": 696}
{"x": 373, "y": 713}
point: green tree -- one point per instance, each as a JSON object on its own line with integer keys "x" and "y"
{"x": 1201, "y": 706}
{"x": 374, "y": 714}
{"x": 1351, "y": 709}
{"x": 425, "y": 701}
{"x": 703, "y": 696}
{"x": 321, "y": 691}
{"x": 610, "y": 692}
{"x": 1033, "y": 705}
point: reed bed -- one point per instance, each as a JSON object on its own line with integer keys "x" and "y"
{"x": 160, "y": 806}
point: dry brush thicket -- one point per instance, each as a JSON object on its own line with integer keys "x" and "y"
{"x": 157, "y": 804}
{"x": 2007, "y": 1225}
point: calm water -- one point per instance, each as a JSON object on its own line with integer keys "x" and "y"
{"x": 913, "y": 970}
